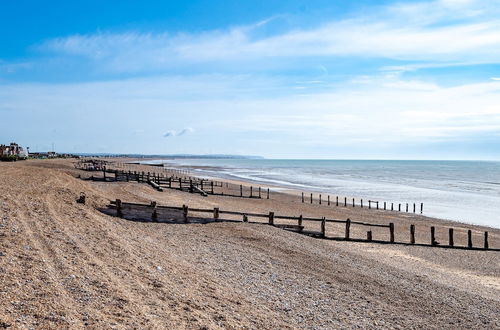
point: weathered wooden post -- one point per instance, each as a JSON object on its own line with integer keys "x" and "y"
{"x": 384, "y": 206}
{"x": 323, "y": 227}
{"x": 300, "y": 223}
{"x": 392, "y": 206}
{"x": 119, "y": 212}
{"x": 311, "y": 198}
{"x": 185, "y": 210}
{"x": 328, "y": 200}
{"x": 154, "y": 215}
{"x": 469, "y": 239}
{"x": 399, "y": 207}
{"x": 126, "y": 176}
{"x": 216, "y": 213}
{"x": 251, "y": 191}
{"x": 170, "y": 182}
{"x": 180, "y": 184}
{"x": 450, "y": 237}
{"x": 337, "y": 201}
{"x": 421, "y": 208}
{"x": 267, "y": 193}
{"x": 413, "y": 207}
{"x": 347, "y": 229}
{"x": 369, "y": 204}
{"x": 406, "y": 207}
{"x": 104, "y": 172}
{"x": 241, "y": 190}
{"x": 212, "y": 186}
{"x": 245, "y": 218}
{"x": 319, "y": 199}
{"x": 361, "y": 202}
{"x": 412, "y": 234}
{"x": 271, "y": 218}
{"x": 377, "y": 205}
{"x": 433, "y": 236}
{"x": 353, "y": 204}
{"x": 191, "y": 185}
{"x": 345, "y": 201}
{"x": 259, "y": 193}
{"x": 486, "y": 245}
{"x": 369, "y": 237}
{"x": 391, "y": 232}
{"x": 302, "y": 197}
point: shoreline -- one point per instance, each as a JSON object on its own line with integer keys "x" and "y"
{"x": 286, "y": 188}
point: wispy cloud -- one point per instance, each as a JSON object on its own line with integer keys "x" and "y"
{"x": 441, "y": 31}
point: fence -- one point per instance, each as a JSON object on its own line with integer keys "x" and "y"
{"x": 271, "y": 218}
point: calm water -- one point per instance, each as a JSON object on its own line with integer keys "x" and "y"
{"x": 466, "y": 191}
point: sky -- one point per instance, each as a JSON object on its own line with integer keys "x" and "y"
{"x": 329, "y": 79}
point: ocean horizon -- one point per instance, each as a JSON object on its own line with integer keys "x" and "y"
{"x": 459, "y": 190}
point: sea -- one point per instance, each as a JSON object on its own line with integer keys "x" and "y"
{"x": 463, "y": 191}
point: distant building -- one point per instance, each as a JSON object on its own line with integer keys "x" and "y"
{"x": 13, "y": 152}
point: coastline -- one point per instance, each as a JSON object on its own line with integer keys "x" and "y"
{"x": 81, "y": 267}
{"x": 219, "y": 173}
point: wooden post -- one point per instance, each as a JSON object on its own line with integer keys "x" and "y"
{"x": 271, "y": 218}
{"x": 267, "y": 193}
{"x": 347, "y": 229}
{"x": 361, "y": 202}
{"x": 345, "y": 201}
{"x": 119, "y": 212}
{"x": 311, "y": 198}
{"x": 412, "y": 234}
{"x": 259, "y": 193}
{"x": 369, "y": 235}
{"x": 392, "y": 206}
{"x": 241, "y": 190}
{"x": 377, "y": 205}
{"x": 180, "y": 184}
{"x": 469, "y": 239}
{"x": 384, "y": 206}
{"x": 450, "y": 237}
{"x": 104, "y": 172}
{"x": 433, "y": 236}
{"x": 190, "y": 185}
{"x": 328, "y": 200}
{"x": 154, "y": 215}
{"x": 406, "y": 207}
{"x": 302, "y": 197}
{"x": 185, "y": 210}
{"x": 319, "y": 199}
{"x": 369, "y": 204}
{"x": 421, "y": 208}
{"x": 300, "y": 222}
{"x": 251, "y": 191}
{"x": 399, "y": 207}
{"x": 391, "y": 232}
{"x": 353, "y": 204}
{"x": 216, "y": 213}
{"x": 201, "y": 184}
{"x": 413, "y": 207}
{"x": 212, "y": 186}
{"x": 486, "y": 245}
{"x": 337, "y": 201}
{"x": 245, "y": 218}
{"x": 323, "y": 227}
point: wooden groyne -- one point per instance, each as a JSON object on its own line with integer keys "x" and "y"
{"x": 351, "y": 202}
{"x": 161, "y": 181}
{"x": 154, "y": 212}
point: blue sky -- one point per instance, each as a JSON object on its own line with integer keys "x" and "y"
{"x": 281, "y": 79}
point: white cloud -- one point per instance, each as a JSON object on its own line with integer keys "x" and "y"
{"x": 182, "y": 132}
{"x": 441, "y": 31}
